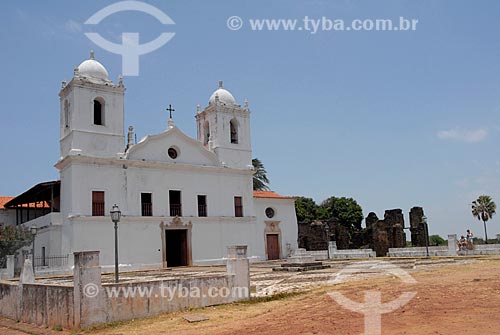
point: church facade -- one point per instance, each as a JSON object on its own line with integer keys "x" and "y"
{"x": 183, "y": 200}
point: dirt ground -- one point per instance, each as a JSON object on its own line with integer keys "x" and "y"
{"x": 454, "y": 300}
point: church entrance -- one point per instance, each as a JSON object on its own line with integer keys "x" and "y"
{"x": 273, "y": 246}
{"x": 176, "y": 247}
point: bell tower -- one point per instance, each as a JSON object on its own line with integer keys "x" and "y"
{"x": 91, "y": 117}
{"x": 224, "y": 128}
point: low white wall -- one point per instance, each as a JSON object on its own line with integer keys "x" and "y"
{"x": 166, "y": 296}
{"x": 75, "y": 306}
{"x": 39, "y": 304}
{"x": 342, "y": 254}
{"x": 480, "y": 249}
{"x": 418, "y": 251}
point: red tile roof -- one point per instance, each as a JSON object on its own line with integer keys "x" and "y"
{"x": 4, "y": 200}
{"x": 269, "y": 195}
{"x": 39, "y": 205}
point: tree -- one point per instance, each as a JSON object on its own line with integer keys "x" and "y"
{"x": 260, "y": 181}
{"x": 483, "y": 209}
{"x": 13, "y": 238}
{"x": 307, "y": 210}
{"x": 437, "y": 240}
{"x": 346, "y": 210}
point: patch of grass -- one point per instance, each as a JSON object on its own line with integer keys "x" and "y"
{"x": 108, "y": 325}
{"x": 278, "y": 296}
{"x": 58, "y": 328}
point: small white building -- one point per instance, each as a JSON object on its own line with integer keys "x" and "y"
{"x": 183, "y": 200}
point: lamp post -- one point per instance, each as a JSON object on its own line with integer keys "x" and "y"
{"x": 426, "y": 227}
{"x": 34, "y": 230}
{"x": 115, "y": 217}
{"x": 327, "y": 230}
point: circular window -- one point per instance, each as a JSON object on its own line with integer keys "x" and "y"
{"x": 270, "y": 212}
{"x": 172, "y": 153}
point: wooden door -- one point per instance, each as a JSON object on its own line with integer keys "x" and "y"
{"x": 273, "y": 247}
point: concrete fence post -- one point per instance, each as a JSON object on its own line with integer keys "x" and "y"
{"x": 9, "y": 267}
{"x": 239, "y": 265}
{"x": 88, "y": 292}
{"x": 332, "y": 248}
{"x": 27, "y": 274}
{"x": 452, "y": 245}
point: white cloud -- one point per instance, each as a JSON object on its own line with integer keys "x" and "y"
{"x": 463, "y": 135}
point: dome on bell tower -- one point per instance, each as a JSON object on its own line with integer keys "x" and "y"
{"x": 92, "y": 69}
{"x": 224, "y": 95}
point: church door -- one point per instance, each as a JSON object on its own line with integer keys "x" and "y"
{"x": 176, "y": 247}
{"x": 273, "y": 247}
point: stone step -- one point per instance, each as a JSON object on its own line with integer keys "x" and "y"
{"x": 291, "y": 268}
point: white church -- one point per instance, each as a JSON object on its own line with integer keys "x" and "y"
{"x": 183, "y": 200}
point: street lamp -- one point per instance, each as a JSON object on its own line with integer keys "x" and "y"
{"x": 33, "y": 229}
{"x": 327, "y": 230}
{"x": 115, "y": 217}
{"x": 426, "y": 227}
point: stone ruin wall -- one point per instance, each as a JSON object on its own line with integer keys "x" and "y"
{"x": 379, "y": 235}
{"x": 312, "y": 236}
{"x": 386, "y": 233}
{"x": 417, "y": 227}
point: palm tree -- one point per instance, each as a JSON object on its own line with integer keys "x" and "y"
{"x": 483, "y": 209}
{"x": 260, "y": 181}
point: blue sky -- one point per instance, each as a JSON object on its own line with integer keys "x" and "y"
{"x": 392, "y": 119}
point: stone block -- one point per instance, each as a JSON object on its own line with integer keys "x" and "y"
{"x": 452, "y": 245}
{"x": 27, "y": 275}
{"x": 8, "y": 272}
{"x": 239, "y": 265}
{"x": 88, "y": 307}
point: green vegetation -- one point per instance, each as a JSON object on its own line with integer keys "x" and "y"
{"x": 437, "y": 240}
{"x": 307, "y": 210}
{"x": 260, "y": 181}
{"x": 58, "y": 328}
{"x": 483, "y": 209}
{"x": 479, "y": 240}
{"x": 13, "y": 238}
{"x": 272, "y": 297}
{"x": 344, "y": 210}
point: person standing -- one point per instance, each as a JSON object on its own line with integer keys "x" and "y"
{"x": 470, "y": 239}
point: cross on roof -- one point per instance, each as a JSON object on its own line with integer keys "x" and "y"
{"x": 170, "y": 109}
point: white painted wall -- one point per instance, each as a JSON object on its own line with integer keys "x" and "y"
{"x": 140, "y": 239}
{"x": 219, "y": 115}
{"x": 220, "y": 171}
{"x": 284, "y": 210}
{"x": 123, "y": 186}
{"x": 94, "y": 140}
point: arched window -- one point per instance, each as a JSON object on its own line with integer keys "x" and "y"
{"x": 233, "y": 125}
{"x": 66, "y": 114}
{"x": 99, "y": 112}
{"x": 206, "y": 132}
